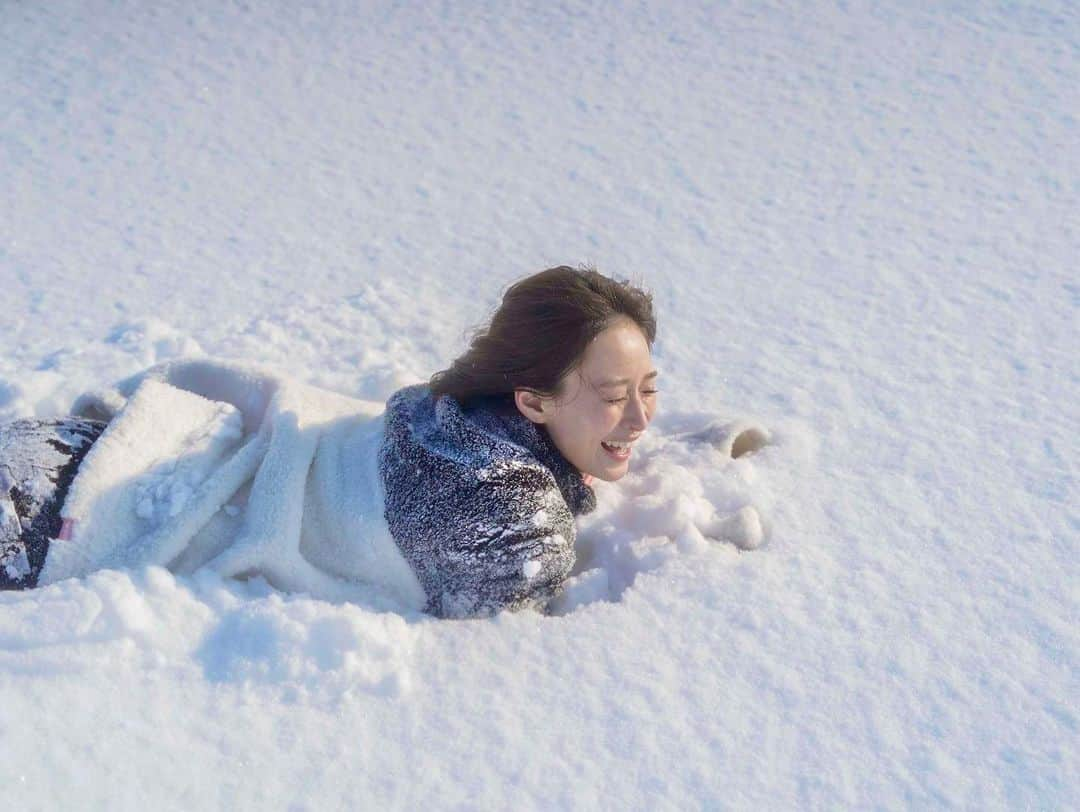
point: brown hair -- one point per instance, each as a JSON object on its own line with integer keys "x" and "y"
{"x": 540, "y": 333}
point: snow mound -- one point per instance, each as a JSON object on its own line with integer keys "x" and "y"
{"x": 309, "y": 647}
{"x": 236, "y": 632}
{"x": 685, "y": 495}
{"x": 52, "y": 384}
{"x": 367, "y": 345}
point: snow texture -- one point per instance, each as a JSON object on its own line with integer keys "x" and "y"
{"x": 859, "y": 223}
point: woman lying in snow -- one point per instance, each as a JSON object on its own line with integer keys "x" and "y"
{"x": 458, "y": 498}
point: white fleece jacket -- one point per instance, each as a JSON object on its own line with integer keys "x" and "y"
{"x": 240, "y": 470}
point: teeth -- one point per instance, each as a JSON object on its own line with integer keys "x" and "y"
{"x": 616, "y": 444}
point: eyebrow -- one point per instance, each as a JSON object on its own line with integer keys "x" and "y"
{"x": 624, "y": 381}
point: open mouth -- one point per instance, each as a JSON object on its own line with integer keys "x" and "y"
{"x": 618, "y": 450}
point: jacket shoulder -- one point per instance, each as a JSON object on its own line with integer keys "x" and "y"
{"x": 482, "y": 521}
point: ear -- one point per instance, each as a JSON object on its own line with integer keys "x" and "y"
{"x": 531, "y": 405}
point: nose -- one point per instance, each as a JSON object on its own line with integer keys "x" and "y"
{"x": 636, "y": 416}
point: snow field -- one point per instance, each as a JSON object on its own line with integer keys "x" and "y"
{"x": 859, "y": 224}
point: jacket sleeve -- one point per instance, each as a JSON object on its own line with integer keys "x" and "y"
{"x": 514, "y": 552}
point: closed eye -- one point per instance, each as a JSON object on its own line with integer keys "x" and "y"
{"x": 643, "y": 391}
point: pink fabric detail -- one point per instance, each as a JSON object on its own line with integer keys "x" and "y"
{"x": 67, "y": 527}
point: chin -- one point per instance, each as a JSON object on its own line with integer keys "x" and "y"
{"x": 613, "y": 476}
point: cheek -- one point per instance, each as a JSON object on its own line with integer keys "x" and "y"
{"x": 583, "y": 428}
{"x": 590, "y": 427}
{"x": 604, "y": 422}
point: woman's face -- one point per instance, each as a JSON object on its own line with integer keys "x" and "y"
{"x": 603, "y": 406}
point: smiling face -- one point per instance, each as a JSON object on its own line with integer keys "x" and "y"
{"x": 603, "y": 405}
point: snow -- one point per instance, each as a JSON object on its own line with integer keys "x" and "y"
{"x": 859, "y": 222}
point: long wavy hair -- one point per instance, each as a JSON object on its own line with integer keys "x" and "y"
{"x": 540, "y": 333}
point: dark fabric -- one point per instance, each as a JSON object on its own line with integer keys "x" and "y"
{"x": 38, "y": 461}
{"x": 480, "y": 501}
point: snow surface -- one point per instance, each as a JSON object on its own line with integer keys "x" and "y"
{"x": 860, "y": 223}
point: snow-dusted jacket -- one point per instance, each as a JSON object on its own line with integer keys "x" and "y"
{"x": 480, "y": 502}
{"x": 38, "y": 461}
